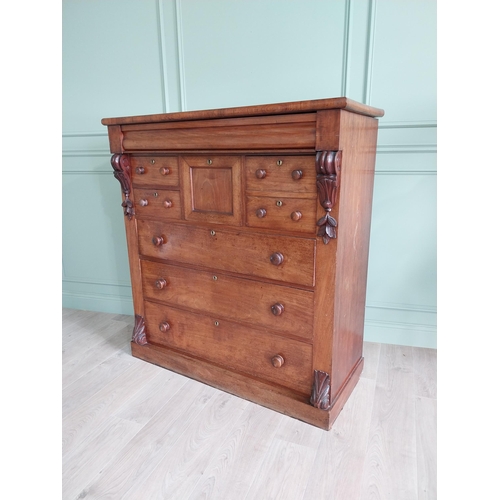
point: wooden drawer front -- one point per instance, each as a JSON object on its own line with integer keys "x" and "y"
{"x": 265, "y": 173}
{"x": 277, "y": 307}
{"x": 231, "y": 345}
{"x": 155, "y": 171}
{"x": 291, "y": 131}
{"x": 212, "y": 189}
{"x": 238, "y": 252}
{"x": 279, "y": 213}
{"x": 158, "y": 203}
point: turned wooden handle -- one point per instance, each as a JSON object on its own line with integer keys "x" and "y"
{"x": 158, "y": 241}
{"x": 277, "y": 309}
{"x": 276, "y": 258}
{"x": 296, "y": 175}
{"x": 164, "y": 171}
{"x": 260, "y": 173}
{"x": 296, "y": 216}
{"x": 161, "y": 283}
{"x": 139, "y": 170}
{"x": 277, "y": 361}
{"x": 164, "y": 327}
{"x": 167, "y": 203}
{"x": 261, "y": 212}
{"x": 143, "y": 202}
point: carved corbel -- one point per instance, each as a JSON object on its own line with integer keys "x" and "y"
{"x": 320, "y": 394}
{"x": 121, "y": 167}
{"x": 328, "y": 180}
{"x": 139, "y": 333}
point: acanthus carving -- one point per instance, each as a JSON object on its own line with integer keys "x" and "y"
{"x": 139, "y": 333}
{"x": 328, "y": 180}
{"x": 320, "y": 394}
{"x": 121, "y": 167}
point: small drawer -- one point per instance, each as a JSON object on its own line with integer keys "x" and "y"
{"x": 269, "y": 357}
{"x": 159, "y": 203}
{"x": 283, "y": 258}
{"x": 281, "y": 174}
{"x": 277, "y": 307}
{"x": 282, "y": 214}
{"x": 155, "y": 171}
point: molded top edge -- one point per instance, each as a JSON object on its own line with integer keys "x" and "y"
{"x": 256, "y": 110}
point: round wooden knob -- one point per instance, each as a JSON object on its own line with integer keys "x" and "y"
{"x": 296, "y": 175}
{"x": 296, "y": 216}
{"x": 158, "y": 241}
{"x": 164, "y": 327}
{"x": 276, "y": 258}
{"x": 143, "y": 203}
{"x": 161, "y": 283}
{"x": 277, "y": 309}
{"x": 261, "y": 212}
{"x": 260, "y": 174}
{"x": 167, "y": 203}
{"x": 164, "y": 171}
{"x": 139, "y": 170}
{"x": 277, "y": 361}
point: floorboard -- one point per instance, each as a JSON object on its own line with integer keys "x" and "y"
{"x": 132, "y": 430}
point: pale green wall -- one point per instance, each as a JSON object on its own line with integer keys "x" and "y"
{"x": 125, "y": 57}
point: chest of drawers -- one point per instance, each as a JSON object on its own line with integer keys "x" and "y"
{"x": 247, "y": 232}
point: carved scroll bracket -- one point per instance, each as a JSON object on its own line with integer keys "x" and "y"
{"x": 139, "y": 333}
{"x": 328, "y": 180}
{"x": 320, "y": 394}
{"x": 121, "y": 167}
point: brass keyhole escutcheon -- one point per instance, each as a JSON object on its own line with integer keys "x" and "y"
{"x": 152, "y": 162}
{"x": 212, "y": 232}
{"x": 209, "y": 161}
{"x": 215, "y": 278}
{"x": 216, "y": 323}
{"x": 279, "y": 163}
{"x": 279, "y": 203}
{"x": 155, "y": 195}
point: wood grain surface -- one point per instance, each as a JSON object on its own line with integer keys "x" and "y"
{"x": 132, "y": 430}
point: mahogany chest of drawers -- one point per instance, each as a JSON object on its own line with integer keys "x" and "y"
{"x": 247, "y": 232}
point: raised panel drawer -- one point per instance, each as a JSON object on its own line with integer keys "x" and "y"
{"x": 159, "y": 203}
{"x": 231, "y": 345}
{"x": 282, "y": 214}
{"x": 280, "y": 308}
{"x": 211, "y": 187}
{"x": 282, "y": 258}
{"x": 161, "y": 171}
{"x": 281, "y": 174}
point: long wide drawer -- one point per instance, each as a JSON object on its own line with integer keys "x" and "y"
{"x": 280, "y": 308}
{"x": 283, "y": 258}
{"x": 268, "y": 357}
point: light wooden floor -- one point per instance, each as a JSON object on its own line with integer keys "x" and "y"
{"x": 132, "y": 430}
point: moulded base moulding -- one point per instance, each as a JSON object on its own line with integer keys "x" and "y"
{"x": 281, "y": 400}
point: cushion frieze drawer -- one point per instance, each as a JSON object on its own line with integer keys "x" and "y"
{"x": 269, "y": 357}
{"x": 277, "y": 307}
{"x": 160, "y": 203}
{"x": 283, "y": 258}
{"x": 155, "y": 171}
{"x": 280, "y": 213}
